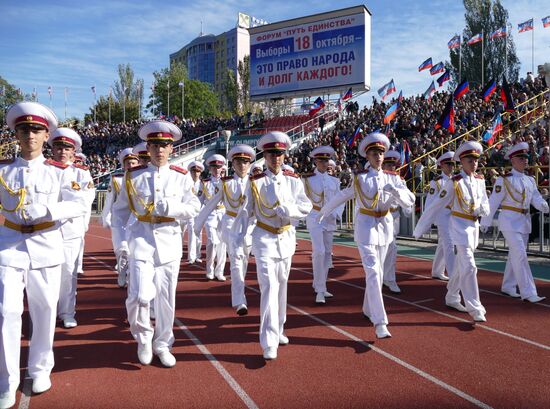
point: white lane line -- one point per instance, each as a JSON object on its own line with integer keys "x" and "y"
{"x": 423, "y": 301}
{"x": 389, "y": 356}
{"x": 517, "y": 299}
{"x": 478, "y": 325}
{"x": 219, "y": 367}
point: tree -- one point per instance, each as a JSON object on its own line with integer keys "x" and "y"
{"x": 9, "y": 95}
{"x": 198, "y": 97}
{"x": 230, "y": 96}
{"x": 485, "y": 16}
{"x": 243, "y": 70}
{"x": 126, "y": 99}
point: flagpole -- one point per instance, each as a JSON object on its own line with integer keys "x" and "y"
{"x": 460, "y": 59}
{"x": 65, "y": 103}
{"x": 168, "y": 113}
{"x": 110, "y": 96}
{"x": 506, "y": 51}
{"x": 482, "y": 62}
{"x": 533, "y": 47}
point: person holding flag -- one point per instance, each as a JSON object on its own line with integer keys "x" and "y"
{"x": 513, "y": 194}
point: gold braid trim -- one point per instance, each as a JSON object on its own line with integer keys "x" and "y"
{"x": 359, "y": 192}
{"x": 260, "y": 203}
{"x": 205, "y": 191}
{"x": 22, "y": 193}
{"x": 508, "y": 186}
{"x": 116, "y": 186}
{"x": 234, "y": 203}
{"x": 310, "y": 193}
{"x": 130, "y": 190}
{"x": 466, "y": 208}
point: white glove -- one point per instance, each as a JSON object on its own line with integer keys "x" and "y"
{"x": 282, "y": 212}
{"x": 391, "y": 189}
{"x": 483, "y": 229}
{"x": 161, "y": 207}
{"x": 545, "y": 208}
{"x": 122, "y": 260}
{"x": 319, "y": 218}
{"x": 34, "y": 212}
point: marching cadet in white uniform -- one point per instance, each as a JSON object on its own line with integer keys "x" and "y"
{"x": 127, "y": 159}
{"x": 375, "y": 192}
{"x": 331, "y": 167}
{"x": 320, "y": 187}
{"x": 35, "y": 195}
{"x": 389, "y": 165}
{"x": 64, "y": 142}
{"x": 275, "y": 198}
{"x": 143, "y": 155}
{"x": 513, "y": 194}
{"x": 194, "y": 241}
{"x": 80, "y": 159}
{"x": 466, "y": 195}
{"x": 256, "y": 169}
{"x": 231, "y": 195}
{"x": 444, "y": 258}
{"x": 152, "y": 200}
{"x": 215, "y": 246}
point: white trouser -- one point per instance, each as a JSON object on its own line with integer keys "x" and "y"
{"x": 42, "y": 288}
{"x": 148, "y": 282}
{"x": 444, "y": 253}
{"x": 273, "y": 279}
{"x": 464, "y": 279}
{"x": 389, "y": 261}
{"x": 215, "y": 252}
{"x": 321, "y": 243}
{"x": 373, "y": 303}
{"x": 194, "y": 241}
{"x": 238, "y": 263}
{"x": 518, "y": 271}
{"x": 69, "y": 273}
{"x": 80, "y": 261}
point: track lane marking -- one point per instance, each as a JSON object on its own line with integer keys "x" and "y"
{"x": 389, "y": 356}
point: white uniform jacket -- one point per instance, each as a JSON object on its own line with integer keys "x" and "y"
{"x": 372, "y": 204}
{"x": 80, "y": 178}
{"x": 26, "y": 183}
{"x": 208, "y": 189}
{"x": 513, "y": 194}
{"x": 156, "y": 193}
{"x": 467, "y": 197}
{"x": 276, "y": 201}
{"x": 320, "y": 188}
{"x": 436, "y": 184}
{"x": 110, "y": 198}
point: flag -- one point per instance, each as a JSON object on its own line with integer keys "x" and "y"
{"x": 475, "y": 39}
{"x": 454, "y": 42}
{"x": 447, "y": 118}
{"x": 525, "y": 26}
{"x": 436, "y": 69}
{"x": 339, "y": 105}
{"x": 425, "y": 65}
{"x": 445, "y": 77}
{"x": 405, "y": 151}
{"x": 546, "y": 21}
{"x": 390, "y": 113}
{"x": 400, "y": 97}
{"x": 317, "y": 106}
{"x": 50, "y": 91}
{"x": 347, "y": 95}
{"x": 34, "y": 94}
{"x": 461, "y": 90}
{"x": 353, "y": 140}
{"x": 93, "y": 89}
{"x": 429, "y": 92}
{"x": 501, "y": 32}
{"x": 506, "y": 96}
{"x": 387, "y": 89}
{"x": 489, "y": 90}
{"x": 491, "y": 134}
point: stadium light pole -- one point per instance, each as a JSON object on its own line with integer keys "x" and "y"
{"x": 182, "y": 85}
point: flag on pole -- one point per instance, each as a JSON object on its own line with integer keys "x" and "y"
{"x": 461, "y": 90}
{"x": 506, "y": 96}
{"x": 445, "y": 77}
{"x": 447, "y": 118}
{"x": 425, "y": 65}
{"x": 317, "y": 106}
{"x": 525, "y": 26}
{"x": 353, "y": 140}
{"x": 546, "y": 21}
{"x": 489, "y": 90}
{"x": 34, "y": 94}
{"x": 475, "y": 39}
{"x": 50, "y": 90}
{"x": 400, "y": 97}
{"x": 436, "y": 69}
{"x": 501, "y": 32}
{"x": 454, "y": 42}
{"x": 491, "y": 134}
{"x": 386, "y": 89}
{"x": 339, "y": 105}
{"x": 390, "y": 113}
{"x": 93, "y": 89}
{"x": 347, "y": 95}
{"x": 429, "y": 92}
{"x": 405, "y": 158}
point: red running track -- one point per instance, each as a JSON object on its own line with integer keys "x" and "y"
{"x": 436, "y": 357}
